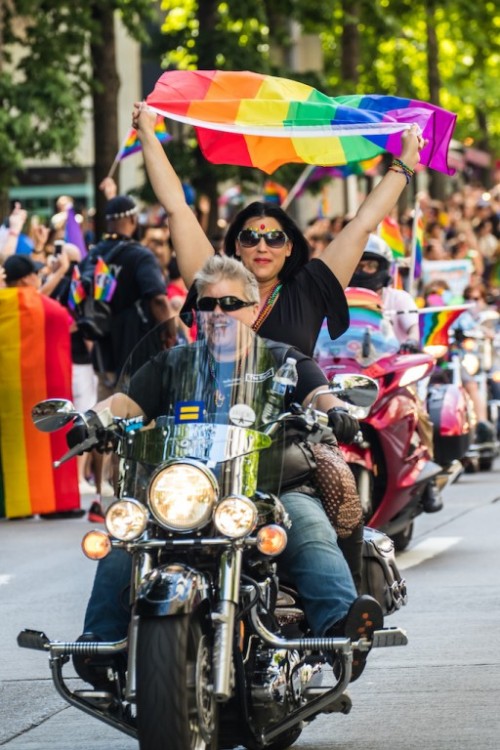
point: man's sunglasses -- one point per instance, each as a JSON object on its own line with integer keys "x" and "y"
{"x": 275, "y": 238}
{"x": 226, "y": 304}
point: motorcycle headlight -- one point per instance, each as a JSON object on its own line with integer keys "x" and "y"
{"x": 235, "y": 516}
{"x": 182, "y": 495}
{"x": 126, "y": 519}
{"x": 470, "y": 363}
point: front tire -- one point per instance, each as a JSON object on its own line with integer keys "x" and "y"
{"x": 175, "y": 706}
{"x": 403, "y": 538}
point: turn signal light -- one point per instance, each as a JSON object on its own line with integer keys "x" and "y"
{"x": 271, "y": 540}
{"x": 96, "y": 545}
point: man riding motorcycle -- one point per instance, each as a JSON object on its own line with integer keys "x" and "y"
{"x": 312, "y": 558}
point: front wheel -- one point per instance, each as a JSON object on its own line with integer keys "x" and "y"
{"x": 403, "y": 538}
{"x": 175, "y": 705}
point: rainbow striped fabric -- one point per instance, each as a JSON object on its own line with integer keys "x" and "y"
{"x": 132, "y": 144}
{"x": 365, "y": 307}
{"x": 434, "y": 324}
{"x": 390, "y": 232}
{"x": 256, "y": 120}
{"x": 417, "y": 246}
{"x": 35, "y": 362}
{"x": 104, "y": 282}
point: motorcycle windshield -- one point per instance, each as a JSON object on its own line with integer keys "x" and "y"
{"x": 201, "y": 400}
{"x": 370, "y": 335}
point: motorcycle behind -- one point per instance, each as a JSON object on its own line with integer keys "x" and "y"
{"x": 390, "y": 459}
{"x": 219, "y": 653}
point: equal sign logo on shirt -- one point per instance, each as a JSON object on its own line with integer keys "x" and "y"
{"x": 189, "y": 411}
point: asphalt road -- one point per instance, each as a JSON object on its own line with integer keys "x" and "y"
{"x": 441, "y": 692}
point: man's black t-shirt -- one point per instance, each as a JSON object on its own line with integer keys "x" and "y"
{"x": 157, "y": 380}
{"x": 139, "y": 279}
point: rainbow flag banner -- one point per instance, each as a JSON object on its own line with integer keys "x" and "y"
{"x": 390, "y": 232}
{"x": 131, "y": 144}
{"x": 257, "y": 120}
{"x": 435, "y": 322}
{"x": 35, "y": 362}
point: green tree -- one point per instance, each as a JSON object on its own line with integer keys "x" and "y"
{"x": 54, "y": 55}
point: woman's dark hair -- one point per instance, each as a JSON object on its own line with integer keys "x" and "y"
{"x": 258, "y": 209}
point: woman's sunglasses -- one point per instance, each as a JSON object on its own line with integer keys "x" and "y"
{"x": 226, "y": 304}
{"x": 275, "y": 238}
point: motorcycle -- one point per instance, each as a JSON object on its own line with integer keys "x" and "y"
{"x": 389, "y": 459}
{"x": 219, "y": 653}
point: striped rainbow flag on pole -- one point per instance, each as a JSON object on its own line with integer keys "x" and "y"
{"x": 390, "y": 232}
{"x": 435, "y": 322}
{"x": 35, "y": 362}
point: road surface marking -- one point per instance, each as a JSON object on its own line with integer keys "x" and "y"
{"x": 4, "y": 579}
{"x": 425, "y": 551}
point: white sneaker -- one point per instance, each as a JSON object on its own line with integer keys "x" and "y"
{"x": 86, "y": 488}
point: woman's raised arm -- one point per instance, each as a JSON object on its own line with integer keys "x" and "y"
{"x": 342, "y": 255}
{"x": 192, "y": 246}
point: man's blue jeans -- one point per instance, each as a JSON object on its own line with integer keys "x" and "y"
{"x": 312, "y": 561}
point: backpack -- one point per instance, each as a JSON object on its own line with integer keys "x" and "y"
{"x": 93, "y": 314}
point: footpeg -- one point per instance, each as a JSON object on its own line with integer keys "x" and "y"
{"x": 389, "y": 637}
{"x": 34, "y": 639}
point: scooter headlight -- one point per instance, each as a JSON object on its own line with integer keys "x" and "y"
{"x": 412, "y": 374}
{"x": 182, "y": 495}
{"x": 126, "y": 519}
{"x": 235, "y": 516}
{"x": 471, "y": 363}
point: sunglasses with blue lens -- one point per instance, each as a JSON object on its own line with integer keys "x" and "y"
{"x": 226, "y": 304}
{"x": 275, "y": 238}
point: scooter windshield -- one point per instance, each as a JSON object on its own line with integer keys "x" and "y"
{"x": 370, "y": 335}
{"x": 202, "y": 399}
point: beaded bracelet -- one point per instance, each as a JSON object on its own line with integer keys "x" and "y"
{"x": 406, "y": 169}
{"x": 400, "y": 171}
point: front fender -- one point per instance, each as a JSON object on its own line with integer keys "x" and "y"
{"x": 171, "y": 590}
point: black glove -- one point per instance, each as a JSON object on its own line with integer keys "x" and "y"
{"x": 344, "y": 426}
{"x": 410, "y": 346}
{"x": 77, "y": 434}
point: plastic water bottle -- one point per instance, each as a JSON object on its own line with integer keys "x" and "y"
{"x": 284, "y": 382}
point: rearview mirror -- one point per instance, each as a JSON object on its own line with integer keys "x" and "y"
{"x": 52, "y": 414}
{"x": 357, "y": 390}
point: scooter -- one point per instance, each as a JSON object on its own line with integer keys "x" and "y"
{"x": 390, "y": 459}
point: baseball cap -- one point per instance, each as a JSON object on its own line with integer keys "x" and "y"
{"x": 18, "y": 266}
{"x": 120, "y": 207}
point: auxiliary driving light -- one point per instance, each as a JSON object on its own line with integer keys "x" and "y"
{"x": 271, "y": 540}
{"x": 126, "y": 519}
{"x": 96, "y": 545}
{"x": 235, "y": 516}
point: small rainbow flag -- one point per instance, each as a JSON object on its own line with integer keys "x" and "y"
{"x": 132, "y": 144}
{"x": 435, "y": 322}
{"x": 104, "y": 282}
{"x": 417, "y": 246}
{"x": 274, "y": 192}
{"x": 256, "y": 120}
{"x": 77, "y": 291}
{"x": 390, "y": 232}
{"x": 35, "y": 362}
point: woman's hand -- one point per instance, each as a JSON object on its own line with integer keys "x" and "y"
{"x": 143, "y": 118}
{"x": 412, "y": 142}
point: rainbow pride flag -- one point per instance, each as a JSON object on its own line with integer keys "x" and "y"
{"x": 257, "y": 120}
{"x": 132, "y": 144}
{"x": 104, "y": 282}
{"x": 390, "y": 232}
{"x": 417, "y": 246}
{"x": 35, "y": 362}
{"x": 274, "y": 192}
{"x": 435, "y": 322}
{"x": 77, "y": 291}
